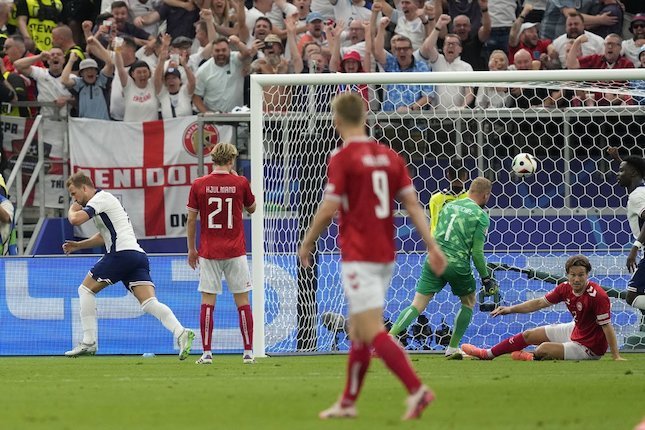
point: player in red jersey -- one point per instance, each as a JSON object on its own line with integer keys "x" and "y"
{"x": 585, "y": 338}
{"x": 219, "y": 199}
{"x": 364, "y": 177}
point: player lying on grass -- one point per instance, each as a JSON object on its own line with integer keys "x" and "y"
{"x": 585, "y": 338}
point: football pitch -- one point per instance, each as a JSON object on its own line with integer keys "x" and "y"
{"x": 132, "y": 392}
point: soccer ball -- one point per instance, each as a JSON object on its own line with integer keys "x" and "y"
{"x": 524, "y": 164}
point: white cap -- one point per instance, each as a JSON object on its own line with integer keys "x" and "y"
{"x": 528, "y": 25}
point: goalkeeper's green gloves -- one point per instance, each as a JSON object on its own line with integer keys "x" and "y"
{"x": 490, "y": 284}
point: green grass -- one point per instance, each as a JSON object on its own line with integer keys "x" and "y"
{"x": 122, "y": 393}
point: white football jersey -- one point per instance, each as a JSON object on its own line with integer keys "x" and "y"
{"x": 636, "y": 209}
{"x": 112, "y": 222}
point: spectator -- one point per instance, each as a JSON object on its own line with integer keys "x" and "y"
{"x": 314, "y": 33}
{"x": 180, "y": 21}
{"x": 262, "y": 28}
{"x": 472, "y": 40}
{"x": 15, "y": 49}
{"x": 527, "y": 97}
{"x": 554, "y": 20}
{"x": 104, "y": 29}
{"x": 524, "y": 35}
{"x": 410, "y": 21}
{"x": 468, "y": 8}
{"x": 50, "y": 89}
{"x": 304, "y": 9}
{"x": 447, "y": 96}
{"x": 137, "y": 8}
{"x": 576, "y": 27}
{"x": 610, "y": 8}
{"x": 631, "y": 47}
{"x": 349, "y": 10}
{"x": 36, "y": 21}
{"x": 502, "y": 16}
{"x": 275, "y": 11}
{"x": 141, "y": 102}
{"x": 351, "y": 62}
{"x": 124, "y": 28}
{"x": 220, "y": 80}
{"x": 174, "y": 97}
{"x": 537, "y": 10}
{"x": 494, "y": 97}
{"x": 610, "y": 59}
{"x": 25, "y": 89}
{"x": 91, "y": 87}
{"x": 228, "y": 16}
{"x": 353, "y": 39}
{"x": 63, "y": 38}
{"x": 117, "y": 102}
{"x": 323, "y": 7}
{"x": 205, "y": 34}
{"x": 278, "y": 97}
{"x": 150, "y": 52}
{"x": 399, "y": 97}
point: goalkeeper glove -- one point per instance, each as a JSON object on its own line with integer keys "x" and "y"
{"x": 491, "y": 286}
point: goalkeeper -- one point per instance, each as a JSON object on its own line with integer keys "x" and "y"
{"x": 457, "y": 176}
{"x": 460, "y": 233}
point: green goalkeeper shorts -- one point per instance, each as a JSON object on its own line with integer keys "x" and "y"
{"x": 460, "y": 277}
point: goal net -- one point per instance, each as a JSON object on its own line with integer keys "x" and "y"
{"x": 571, "y": 205}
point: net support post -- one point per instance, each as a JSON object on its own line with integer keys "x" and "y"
{"x": 256, "y": 143}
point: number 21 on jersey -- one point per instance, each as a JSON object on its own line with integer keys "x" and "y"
{"x": 219, "y": 206}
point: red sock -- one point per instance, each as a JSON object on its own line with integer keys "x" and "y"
{"x": 246, "y": 326}
{"x": 396, "y": 360}
{"x": 357, "y": 364}
{"x": 515, "y": 343}
{"x": 206, "y": 325}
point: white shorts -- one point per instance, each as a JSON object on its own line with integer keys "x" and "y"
{"x": 366, "y": 284}
{"x": 235, "y": 270}
{"x": 561, "y": 333}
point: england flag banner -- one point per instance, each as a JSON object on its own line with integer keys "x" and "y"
{"x": 148, "y": 166}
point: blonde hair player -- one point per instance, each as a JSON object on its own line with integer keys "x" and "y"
{"x": 219, "y": 199}
{"x": 364, "y": 178}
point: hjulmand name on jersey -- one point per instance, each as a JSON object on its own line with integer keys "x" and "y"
{"x": 370, "y": 160}
{"x": 214, "y": 189}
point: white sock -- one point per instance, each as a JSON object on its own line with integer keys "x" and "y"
{"x": 163, "y": 313}
{"x": 639, "y": 302}
{"x": 89, "y": 323}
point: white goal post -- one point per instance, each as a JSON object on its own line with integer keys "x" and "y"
{"x": 569, "y": 206}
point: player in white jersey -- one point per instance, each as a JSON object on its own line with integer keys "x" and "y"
{"x": 631, "y": 175}
{"x": 124, "y": 261}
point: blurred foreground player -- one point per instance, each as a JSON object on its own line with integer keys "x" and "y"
{"x": 364, "y": 177}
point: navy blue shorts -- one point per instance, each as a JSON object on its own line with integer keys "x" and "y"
{"x": 130, "y": 267}
{"x": 637, "y": 283}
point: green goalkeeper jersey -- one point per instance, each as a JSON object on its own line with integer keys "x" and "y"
{"x": 461, "y": 233}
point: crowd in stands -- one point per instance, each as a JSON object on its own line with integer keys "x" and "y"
{"x": 140, "y": 60}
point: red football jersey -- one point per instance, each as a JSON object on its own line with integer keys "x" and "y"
{"x": 590, "y": 311}
{"x": 220, "y": 198}
{"x": 365, "y": 177}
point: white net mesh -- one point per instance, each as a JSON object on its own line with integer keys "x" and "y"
{"x": 572, "y": 204}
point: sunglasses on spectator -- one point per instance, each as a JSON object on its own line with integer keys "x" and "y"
{"x": 638, "y": 25}
{"x": 402, "y": 48}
